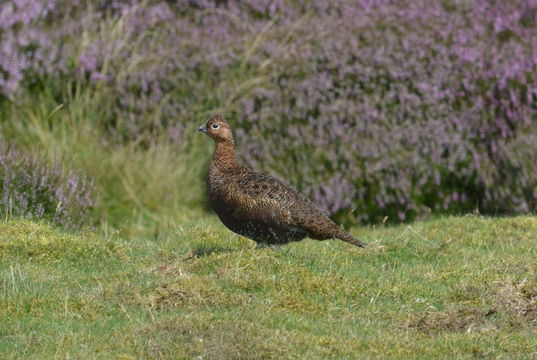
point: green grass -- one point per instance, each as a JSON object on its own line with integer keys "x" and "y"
{"x": 457, "y": 288}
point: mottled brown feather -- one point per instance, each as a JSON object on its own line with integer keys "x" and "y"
{"x": 258, "y": 206}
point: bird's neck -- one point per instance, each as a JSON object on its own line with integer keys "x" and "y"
{"x": 224, "y": 154}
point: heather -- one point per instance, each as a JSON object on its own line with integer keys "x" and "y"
{"x": 375, "y": 110}
{"x": 35, "y": 190}
{"x": 401, "y": 109}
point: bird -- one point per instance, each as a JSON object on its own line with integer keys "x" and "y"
{"x": 258, "y": 206}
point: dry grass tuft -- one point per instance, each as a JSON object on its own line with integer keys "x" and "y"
{"x": 459, "y": 320}
{"x": 520, "y": 299}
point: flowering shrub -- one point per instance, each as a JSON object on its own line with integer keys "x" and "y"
{"x": 34, "y": 190}
{"x": 24, "y": 48}
{"x": 397, "y": 109}
{"x": 380, "y": 108}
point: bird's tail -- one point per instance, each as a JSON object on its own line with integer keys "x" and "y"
{"x": 350, "y": 239}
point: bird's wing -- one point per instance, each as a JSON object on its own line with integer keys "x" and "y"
{"x": 262, "y": 194}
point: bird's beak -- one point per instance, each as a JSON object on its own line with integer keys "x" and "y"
{"x": 203, "y": 128}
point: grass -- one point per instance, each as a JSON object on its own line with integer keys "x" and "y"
{"x": 456, "y": 287}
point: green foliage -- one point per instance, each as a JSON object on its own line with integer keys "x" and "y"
{"x": 138, "y": 189}
{"x": 455, "y": 287}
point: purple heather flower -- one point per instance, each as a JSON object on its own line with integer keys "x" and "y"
{"x": 388, "y": 107}
{"x": 34, "y": 190}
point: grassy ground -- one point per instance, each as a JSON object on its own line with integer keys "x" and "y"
{"x": 457, "y": 288}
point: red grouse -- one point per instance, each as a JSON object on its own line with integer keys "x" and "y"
{"x": 258, "y": 206}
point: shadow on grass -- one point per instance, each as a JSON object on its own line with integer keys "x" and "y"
{"x": 202, "y": 250}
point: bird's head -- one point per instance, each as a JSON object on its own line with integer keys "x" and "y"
{"x": 218, "y": 129}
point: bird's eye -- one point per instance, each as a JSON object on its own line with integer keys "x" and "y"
{"x": 215, "y": 126}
